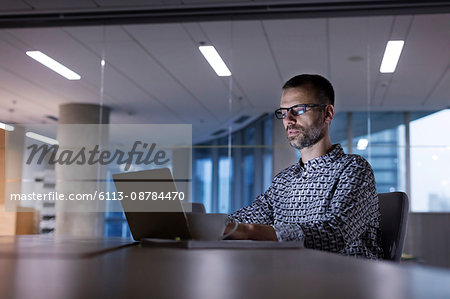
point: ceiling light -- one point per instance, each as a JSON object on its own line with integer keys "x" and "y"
{"x": 215, "y": 61}
{"x": 362, "y": 144}
{"x": 53, "y": 65}
{"x": 41, "y": 138}
{"x": 391, "y": 56}
{"x": 6, "y": 127}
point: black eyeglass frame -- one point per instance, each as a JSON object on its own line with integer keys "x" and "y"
{"x": 280, "y": 115}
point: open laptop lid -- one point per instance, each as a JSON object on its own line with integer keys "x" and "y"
{"x": 151, "y": 205}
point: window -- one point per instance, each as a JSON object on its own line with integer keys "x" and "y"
{"x": 202, "y": 185}
{"x": 116, "y": 225}
{"x": 386, "y": 150}
{"x": 225, "y": 175}
{"x": 430, "y": 162}
{"x": 240, "y": 173}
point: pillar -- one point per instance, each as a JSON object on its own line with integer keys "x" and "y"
{"x": 82, "y": 224}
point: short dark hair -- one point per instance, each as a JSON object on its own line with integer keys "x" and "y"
{"x": 323, "y": 89}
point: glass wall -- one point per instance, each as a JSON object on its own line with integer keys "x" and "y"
{"x": 203, "y": 170}
{"x": 239, "y": 173}
{"x": 382, "y": 139}
{"x": 430, "y": 162}
{"x": 155, "y": 74}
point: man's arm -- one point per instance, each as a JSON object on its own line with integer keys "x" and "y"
{"x": 255, "y": 220}
{"x": 260, "y": 211}
{"x": 247, "y": 231}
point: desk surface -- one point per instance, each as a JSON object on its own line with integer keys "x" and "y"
{"x": 139, "y": 272}
{"x": 44, "y": 246}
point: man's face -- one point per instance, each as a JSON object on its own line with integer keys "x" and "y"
{"x": 305, "y": 130}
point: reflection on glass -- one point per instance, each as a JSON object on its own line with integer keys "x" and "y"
{"x": 146, "y": 75}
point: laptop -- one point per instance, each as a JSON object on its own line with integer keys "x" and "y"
{"x": 156, "y": 223}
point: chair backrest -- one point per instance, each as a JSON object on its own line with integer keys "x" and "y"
{"x": 394, "y": 208}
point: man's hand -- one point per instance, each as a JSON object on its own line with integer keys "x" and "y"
{"x": 246, "y": 231}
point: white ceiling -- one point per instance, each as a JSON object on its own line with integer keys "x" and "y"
{"x": 155, "y": 74}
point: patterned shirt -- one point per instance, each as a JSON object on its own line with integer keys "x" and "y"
{"x": 329, "y": 202}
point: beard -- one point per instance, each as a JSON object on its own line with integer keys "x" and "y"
{"x": 306, "y": 137}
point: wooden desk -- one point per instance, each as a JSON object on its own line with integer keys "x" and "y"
{"x": 138, "y": 272}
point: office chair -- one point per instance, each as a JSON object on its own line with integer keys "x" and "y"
{"x": 394, "y": 208}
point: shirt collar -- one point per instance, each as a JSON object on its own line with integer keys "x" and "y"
{"x": 310, "y": 166}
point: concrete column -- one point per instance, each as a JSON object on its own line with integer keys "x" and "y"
{"x": 83, "y": 224}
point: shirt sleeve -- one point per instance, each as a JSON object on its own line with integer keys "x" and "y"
{"x": 352, "y": 207}
{"x": 259, "y": 212}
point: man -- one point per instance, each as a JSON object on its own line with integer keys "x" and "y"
{"x": 328, "y": 199}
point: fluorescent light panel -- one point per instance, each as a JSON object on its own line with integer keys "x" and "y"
{"x": 391, "y": 56}
{"x": 215, "y": 61}
{"x": 41, "y": 138}
{"x": 53, "y": 65}
{"x": 6, "y": 127}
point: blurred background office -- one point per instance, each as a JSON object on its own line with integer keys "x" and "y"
{"x": 139, "y": 62}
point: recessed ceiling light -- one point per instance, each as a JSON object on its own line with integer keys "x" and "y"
{"x": 391, "y": 56}
{"x": 41, "y": 138}
{"x": 53, "y": 65}
{"x": 215, "y": 61}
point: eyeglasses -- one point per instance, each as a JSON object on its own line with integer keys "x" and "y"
{"x": 295, "y": 110}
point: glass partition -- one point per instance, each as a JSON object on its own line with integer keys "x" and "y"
{"x": 156, "y": 74}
